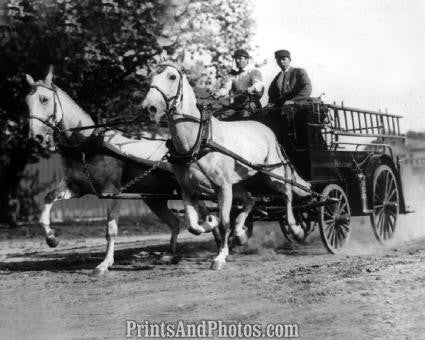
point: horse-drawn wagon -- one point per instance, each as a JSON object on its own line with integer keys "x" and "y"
{"x": 330, "y": 147}
{"x": 240, "y": 164}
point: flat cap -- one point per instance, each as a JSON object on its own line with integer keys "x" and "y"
{"x": 282, "y": 54}
{"x": 241, "y": 53}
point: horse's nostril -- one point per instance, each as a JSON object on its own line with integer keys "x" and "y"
{"x": 152, "y": 109}
{"x": 39, "y": 138}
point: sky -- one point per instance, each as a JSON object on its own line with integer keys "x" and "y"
{"x": 370, "y": 54}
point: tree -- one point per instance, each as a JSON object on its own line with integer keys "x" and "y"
{"x": 103, "y": 52}
{"x": 209, "y": 31}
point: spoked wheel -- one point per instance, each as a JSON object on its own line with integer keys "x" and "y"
{"x": 334, "y": 219}
{"x": 385, "y": 203}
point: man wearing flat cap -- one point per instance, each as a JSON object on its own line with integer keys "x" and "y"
{"x": 291, "y": 85}
{"x": 243, "y": 84}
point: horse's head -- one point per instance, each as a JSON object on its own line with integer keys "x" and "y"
{"x": 44, "y": 113}
{"x": 166, "y": 92}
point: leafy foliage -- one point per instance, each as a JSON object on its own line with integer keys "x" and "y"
{"x": 209, "y": 32}
{"x": 103, "y": 52}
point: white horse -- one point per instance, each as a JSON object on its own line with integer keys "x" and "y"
{"x": 170, "y": 94}
{"x": 102, "y": 170}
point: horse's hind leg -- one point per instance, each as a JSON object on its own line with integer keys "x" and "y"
{"x": 61, "y": 192}
{"x": 159, "y": 208}
{"x": 286, "y": 190}
{"x": 113, "y": 211}
{"x": 248, "y": 203}
{"x": 225, "y": 205}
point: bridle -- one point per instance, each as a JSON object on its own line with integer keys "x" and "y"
{"x": 52, "y": 120}
{"x": 171, "y": 101}
{"x": 56, "y": 124}
{"x": 179, "y": 93}
{"x": 190, "y": 156}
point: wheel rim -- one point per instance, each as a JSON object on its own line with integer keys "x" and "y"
{"x": 385, "y": 203}
{"x": 335, "y": 219}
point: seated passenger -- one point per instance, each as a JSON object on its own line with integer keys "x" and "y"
{"x": 243, "y": 85}
{"x": 291, "y": 85}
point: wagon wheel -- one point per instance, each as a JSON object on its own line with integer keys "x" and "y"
{"x": 334, "y": 219}
{"x": 385, "y": 203}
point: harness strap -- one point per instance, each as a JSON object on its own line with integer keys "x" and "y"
{"x": 259, "y": 167}
{"x": 185, "y": 158}
{"x": 90, "y": 144}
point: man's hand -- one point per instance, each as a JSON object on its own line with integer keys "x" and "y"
{"x": 251, "y": 90}
{"x": 221, "y": 93}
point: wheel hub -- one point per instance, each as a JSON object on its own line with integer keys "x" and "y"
{"x": 390, "y": 207}
{"x": 341, "y": 219}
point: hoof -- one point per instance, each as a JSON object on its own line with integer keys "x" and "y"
{"x": 52, "y": 242}
{"x": 194, "y": 231}
{"x": 99, "y": 271}
{"x": 242, "y": 238}
{"x": 217, "y": 265}
{"x": 298, "y": 232}
{"x": 167, "y": 259}
{"x": 175, "y": 259}
{"x": 212, "y": 221}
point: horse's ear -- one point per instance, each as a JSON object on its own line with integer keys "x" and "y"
{"x": 180, "y": 57}
{"x": 49, "y": 78}
{"x": 163, "y": 56}
{"x": 30, "y": 80}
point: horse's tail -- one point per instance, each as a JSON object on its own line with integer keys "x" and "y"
{"x": 295, "y": 177}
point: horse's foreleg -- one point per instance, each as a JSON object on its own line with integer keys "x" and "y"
{"x": 113, "y": 210}
{"x": 159, "y": 208}
{"x": 61, "y": 192}
{"x": 225, "y": 205}
{"x": 212, "y": 221}
{"x": 191, "y": 214}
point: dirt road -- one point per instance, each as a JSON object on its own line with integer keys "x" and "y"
{"x": 370, "y": 291}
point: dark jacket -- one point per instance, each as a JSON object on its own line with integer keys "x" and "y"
{"x": 297, "y": 87}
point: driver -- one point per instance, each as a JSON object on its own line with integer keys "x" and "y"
{"x": 244, "y": 85}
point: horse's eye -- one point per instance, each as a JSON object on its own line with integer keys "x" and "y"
{"x": 172, "y": 77}
{"x": 44, "y": 100}
{"x": 160, "y": 69}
